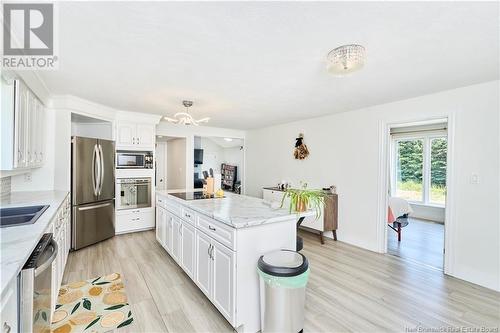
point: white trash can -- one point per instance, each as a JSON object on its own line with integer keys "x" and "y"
{"x": 283, "y": 278}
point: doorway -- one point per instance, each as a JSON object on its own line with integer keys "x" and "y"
{"x": 417, "y": 190}
{"x": 170, "y": 163}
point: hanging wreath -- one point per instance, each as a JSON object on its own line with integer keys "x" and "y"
{"x": 301, "y": 151}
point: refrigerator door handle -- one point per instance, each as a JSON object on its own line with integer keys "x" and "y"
{"x": 94, "y": 207}
{"x": 94, "y": 184}
{"x": 101, "y": 176}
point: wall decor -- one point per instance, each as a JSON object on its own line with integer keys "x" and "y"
{"x": 301, "y": 151}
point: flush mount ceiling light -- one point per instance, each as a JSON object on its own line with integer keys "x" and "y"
{"x": 346, "y": 59}
{"x": 228, "y": 139}
{"x": 184, "y": 118}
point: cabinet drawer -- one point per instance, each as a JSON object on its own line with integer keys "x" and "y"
{"x": 161, "y": 201}
{"x": 135, "y": 220}
{"x": 173, "y": 207}
{"x": 224, "y": 234}
{"x": 188, "y": 215}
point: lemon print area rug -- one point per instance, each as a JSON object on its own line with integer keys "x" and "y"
{"x": 96, "y": 305}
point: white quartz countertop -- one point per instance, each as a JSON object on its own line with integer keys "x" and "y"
{"x": 17, "y": 243}
{"x": 237, "y": 211}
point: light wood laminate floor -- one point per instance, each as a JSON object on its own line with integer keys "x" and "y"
{"x": 422, "y": 241}
{"x": 349, "y": 290}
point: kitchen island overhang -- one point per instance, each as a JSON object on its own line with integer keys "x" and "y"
{"x": 218, "y": 242}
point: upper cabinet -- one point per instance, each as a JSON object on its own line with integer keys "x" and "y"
{"x": 134, "y": 136}
{"x": 22, "y": 121}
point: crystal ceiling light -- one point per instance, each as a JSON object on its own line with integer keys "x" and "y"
{"x": 346, "y": 59}
{"x": 184, "y": 118}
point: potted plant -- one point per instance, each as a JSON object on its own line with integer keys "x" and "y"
{"x": 302, "y": 199}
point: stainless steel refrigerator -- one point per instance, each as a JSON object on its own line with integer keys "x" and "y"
{"x": 92, "y": 191}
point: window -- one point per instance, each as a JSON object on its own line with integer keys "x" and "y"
{"x": 419, "y": 168}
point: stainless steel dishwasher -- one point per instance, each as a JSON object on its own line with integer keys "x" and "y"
{"x": 35, "y": 282}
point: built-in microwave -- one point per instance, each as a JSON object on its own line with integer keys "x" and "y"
{"x": 134, "y": 159}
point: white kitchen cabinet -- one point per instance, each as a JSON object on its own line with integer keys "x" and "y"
{"x": 135, "y": 136}
{"x": 169, "y": 226}
{"x": 203, "y": 274}
{"x": 223, "y": 273}
{"x": 176, "y": 252}
{"x": 161, "y": 225}
{"x": 22, "y": 121}
{"x": 131, "y": 220}
{"x": 9, "y": 307}
{"x": 188, "y": 253}
{"x": 61, "y": 226}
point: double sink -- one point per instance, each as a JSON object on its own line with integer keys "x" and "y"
{"x": 15, "y": 216}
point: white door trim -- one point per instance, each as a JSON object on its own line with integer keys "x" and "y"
{"x": 383, "y": 186}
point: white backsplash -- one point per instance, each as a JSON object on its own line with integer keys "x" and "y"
{"x": 4, "y": 186}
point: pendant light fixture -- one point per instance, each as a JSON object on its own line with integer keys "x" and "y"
{"x": 184, "y": 118}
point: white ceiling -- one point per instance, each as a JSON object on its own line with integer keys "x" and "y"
{"x": 252, "y": 64}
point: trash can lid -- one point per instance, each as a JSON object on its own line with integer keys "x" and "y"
{"x": 283, "y": 263}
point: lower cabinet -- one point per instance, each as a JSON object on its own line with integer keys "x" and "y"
{"x": 223, "y": 271}
{"x": 9, "y": 307}
{"x": 203, "y": 275}
{"x": 188, "y": 253}
{"x": 176, "y": 239}
{"x": 134, "y": 219}
{"x": 211, "y": 265}
{"x": 61, "y": 228}
{"x": 215, "y": 272}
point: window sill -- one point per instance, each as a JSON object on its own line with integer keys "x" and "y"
{"x": 426, "y": 204}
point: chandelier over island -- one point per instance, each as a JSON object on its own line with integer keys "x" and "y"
{"x": 184, "y": 118}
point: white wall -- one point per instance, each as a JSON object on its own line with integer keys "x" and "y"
{"x": 176, "y": 164}
{"x": 345, "y": 151}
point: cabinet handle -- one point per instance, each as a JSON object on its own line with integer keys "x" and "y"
{"x": 208, "y": 251}
{"x": 212, "y": 253}
{"x": 187, "y": 215}
{"x": 211, "y": 228}
{"x": 6, "y": 327}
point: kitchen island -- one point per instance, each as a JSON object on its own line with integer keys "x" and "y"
{"x": 218, "y": 241}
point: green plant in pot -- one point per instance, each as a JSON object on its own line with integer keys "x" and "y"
{"x": 302, "y": 199}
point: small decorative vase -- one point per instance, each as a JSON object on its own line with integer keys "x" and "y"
{"x": 301, "y": 206}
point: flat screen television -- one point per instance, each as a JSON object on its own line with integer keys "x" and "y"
{"x": 198, "y": 156}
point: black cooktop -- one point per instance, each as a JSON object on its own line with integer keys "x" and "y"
{"x": 199, "y": 195}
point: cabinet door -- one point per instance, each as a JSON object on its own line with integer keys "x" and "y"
{"x": 188, "y": 261}
{"x": 125, "y": 134}
{"x": 20, "y": 125}
{"x": 145, "y": 136}
{"x": 176, "y": 239}
{"x": 9, "y": 308}
{"x": 40, "y": 131}
{"x": 203, "y": 271}
{"x": 223, "y": 280}
{"x": 159, "y": 225}
{"x": 31, "y": 149}
{"x": 168, "y": 231}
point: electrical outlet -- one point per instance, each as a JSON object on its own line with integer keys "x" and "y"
{"x": 27, "y": 177}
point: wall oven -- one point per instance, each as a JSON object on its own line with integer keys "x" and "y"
{"x": 134, "y": 159}
{"x": 133, "y": 193}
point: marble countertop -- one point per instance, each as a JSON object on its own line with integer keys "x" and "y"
{"x": 237, "y": 211}
{"x": 17, "y": 243}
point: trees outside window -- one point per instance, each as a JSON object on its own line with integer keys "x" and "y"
{"x": 419, "y": 169}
